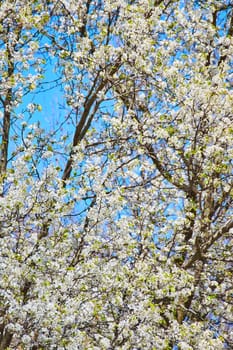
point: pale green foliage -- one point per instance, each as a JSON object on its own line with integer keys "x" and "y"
{"x": 116, "y": 223}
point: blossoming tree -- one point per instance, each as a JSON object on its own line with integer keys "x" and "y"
{"x": 116, "y": 213}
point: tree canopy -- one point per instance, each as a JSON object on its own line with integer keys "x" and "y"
{"x": 116, "y": 183}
